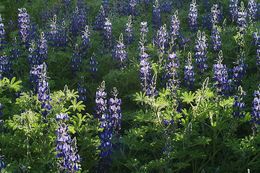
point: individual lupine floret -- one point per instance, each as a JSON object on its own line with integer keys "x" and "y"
{"x": 2, "y": 34}
{"x": 189, "y": 75}
{"x": 132, "y": 7}
{"x": 69, "y": 160}
{"x": 93, "y": 64}
{"x": 241, "y": 17}
{"x": 201, "y": 52}
{"x": 105, "y": 123}
{"x": 233, "y": 9}
{"x": 156, "y": 16}
{"x": 215, "y": 15}
{"x": 252, "y": 10}
{"x": 193, "y": 16}
{"x": 24, "y": 25}
{"x": 107, "y": 33}
{"x": 42, "y": 49}
{"x": 255, "y": 116}
{"x": 147, "y": 80}
{"x": 85, "y": 45}
{"x": 162, "y": 38}
{"x": 216, "y": 39}
{"x": 114, "y": 105}
{"x": 143, "y": 32}
{"x": 5, "y": 66}
{"x": 100, "y": 19}
{"x": 239, "y": 104}
{"x": 221, "y": 76}
{"x": 239, "y": 71}
{"x": 129, "y": 35}
{"x": 76, "y": 60}
{"x": 120, "y": 54}
{"x": 175, "y": 27}
{"x": 78, "y": 21}
{"x": 171, "y": 72}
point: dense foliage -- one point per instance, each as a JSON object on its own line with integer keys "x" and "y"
{"x": 130, "y": 86}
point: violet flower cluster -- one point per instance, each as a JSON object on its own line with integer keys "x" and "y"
{"x": 132, "y": 7}
{"x": 221, "y": 76}
{"x": 233, "y": 9}
{"x": 107, "y": 33}
{"x": 69, "y": 160}
{"x": 57, "y": 35}
{"x": 5, "y": 66}
{"x": 239, "y": 104}
{"x": 174, "y": 28}
{"x": 105, "y": 123}
{"x": 85, "y": 39}
{"x": 100, "y": 19}
{"x": 120, "y": 54}
{"x": 156, "y": 15}
{"x": 258, "y": 56}
{"x": 201, "y": 52}
{"x": 171, "y": 72}
{"x": 33, "y": 56}
{"x": 78, "y": 21}
{"x": 114, "y": 106}
{"x": 241, "y": 17}
{"x": 2, "y": 34}
{"x": 189, "y": 75}
{"x": 24, "y": 25}
{"x": 162, "y": 39}
{"x": 76, "y": 60}
{"x": 143, "y": 32}
{"x": 39, "y": 73}
{"x": 215, "y": 16}
{"x": 216, "y": 39}
{"x": 82, "y": 91}
{"x": 147, "y": 80}
{"x": 255, "y": 116}
{"x": 42, "y": 49}
{"x": 252, "y": 10}
{"x": 15, "y": 51}
{"x": 193, "y": 16}
{"x": 93, "y": 63}
{"x": 239, "y": 71}
{"x": 129, "y": 35}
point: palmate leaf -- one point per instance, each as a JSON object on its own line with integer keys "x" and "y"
{"x": 12, "y": 84}
{"x": 77, "y": 106}
{"x": 188, "y": 97}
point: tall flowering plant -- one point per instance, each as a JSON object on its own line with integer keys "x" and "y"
{"x": 255, "y": 115}
{"x": 242, "y": 17}
{"x": 171, "y": 72}
{"x": 239, "y": 104}
{"x": 120, "y": 54}
{"x": 2, "y": 34}
{"x": 193, "y": 15}
{"x": 24, "y": 24}
{"x": 216, "y": 39}
{"x": 201, "y": 51}
{"x": 107, "y": 33}
{"x": 233, "y": 9}
{"x": 189, "y": 75}
{"x": 252, "y": 10}
{"x": 174, "y": 28}
{"x": 68, "y": 158}
{"x": 129, "y": 35}
{"x": 156, "y": 15}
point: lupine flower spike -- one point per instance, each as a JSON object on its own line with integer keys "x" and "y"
{"x": 42, "y": 49}
{"x": 233, "y": 9}
{"x": 241, "y": 17}
{"x": 201, "y": 52}
{"x": 156, "y": 16}
{"x": 215, "y": 15}
{"x": 255, "y": 116}
{"x": 132, "y": 7}
{"x": 120, "y": 53}
{"x": 252, "y": 10}
{"x": 221, "y": 76}
{"x": 174, "y": 28}
{"x": 115, "y": 110}
{"x": 239, "y": 104}
{"x": 161, "y": 39}
{"x": 24, "y": 25}
{"x": 2, "y": 34}
{"x": 189, "y": 75}
{"x": 143, "y": 32}
{"x": 216, "y": 39}
{"x": 129, "y": 37}
{"x": 193, "y": 15}
{"x": 5, "y": 66}
{"x": 68, "y": 159}
{"x": 107, "y": 33}
{"x": 172, "y": 76}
